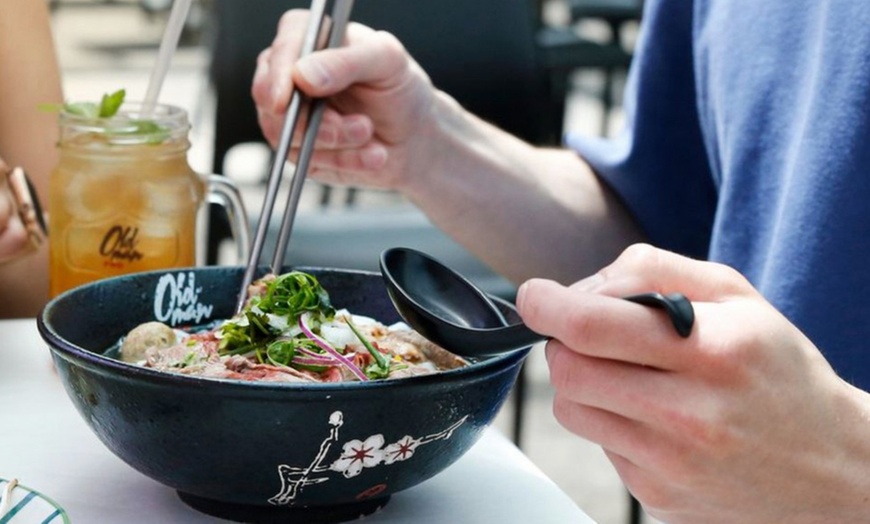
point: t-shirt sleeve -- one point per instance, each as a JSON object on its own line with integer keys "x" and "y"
{"x": 658, "y": 164}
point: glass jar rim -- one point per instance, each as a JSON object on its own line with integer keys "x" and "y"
{"x": 129, "y": 126}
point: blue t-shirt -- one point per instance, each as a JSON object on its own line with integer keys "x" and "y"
{"x": 747, "y": 142}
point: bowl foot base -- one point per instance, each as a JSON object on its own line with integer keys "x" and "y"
{"x": 283, "y": 514}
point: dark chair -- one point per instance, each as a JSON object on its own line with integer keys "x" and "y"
{"x": 616, "y": 14}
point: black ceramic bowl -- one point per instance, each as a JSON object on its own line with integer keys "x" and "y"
{"x": 262, "y": 452}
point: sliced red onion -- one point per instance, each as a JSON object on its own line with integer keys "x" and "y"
{"x": 305, "y": 352}
{"x": 307, "y": 356}
{"x": 310, "y": 361}
{"x": 303, "y": 324}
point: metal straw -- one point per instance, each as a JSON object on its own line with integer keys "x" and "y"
{"x": 340, "y": 17}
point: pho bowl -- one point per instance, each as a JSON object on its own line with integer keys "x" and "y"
{"x": 261, "y": 452}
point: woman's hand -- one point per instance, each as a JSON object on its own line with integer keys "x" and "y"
{"x": 15, "y": 238}
{"x": 380, "y": 103}
{"x": 744, "y": 421}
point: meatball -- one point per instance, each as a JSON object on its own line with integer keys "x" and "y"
{"x": 144, "y": 336}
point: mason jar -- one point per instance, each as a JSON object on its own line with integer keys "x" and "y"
{"x": 123, "y": 197}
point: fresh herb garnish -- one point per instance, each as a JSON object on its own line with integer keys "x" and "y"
{"x": 189, "y": 359}
{"x": 292, "y": 294}
{"x": 300, "y": 353}
{"x": 286, "y": 298}
{"x": 293, "y": 306}
{"x": 380, "y": 368}
{"x": 247, "y": 332}
{"x": 107, "y": 108}
{"x": 281, "y": 352}
{"x": 110, "y": 103}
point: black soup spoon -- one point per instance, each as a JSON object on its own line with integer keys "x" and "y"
{"x": 449, "y": 310}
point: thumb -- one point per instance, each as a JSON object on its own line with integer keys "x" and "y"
{"x": 378, "y": 60}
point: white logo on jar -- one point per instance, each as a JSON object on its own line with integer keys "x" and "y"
{"x": 176, "y": 300}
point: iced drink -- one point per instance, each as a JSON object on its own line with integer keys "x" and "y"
{"x": 123, "y": 197}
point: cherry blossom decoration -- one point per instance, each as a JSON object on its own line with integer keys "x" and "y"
{"x": 356, "y": 456}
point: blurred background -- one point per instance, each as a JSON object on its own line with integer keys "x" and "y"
{"x": 534, "y": 67}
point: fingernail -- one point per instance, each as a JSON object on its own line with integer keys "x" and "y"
{"x": 357, "y": 130}
{"x": 314, "y": 72}
{"x": 277, "y": 96}
{"x": 327, "y": 136}
{"x": 521, "y": 295}
{"x": 374, "y": 157}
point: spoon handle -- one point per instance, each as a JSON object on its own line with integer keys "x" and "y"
{"x": 515, "y": 335}
{"x": 676, "y": 305}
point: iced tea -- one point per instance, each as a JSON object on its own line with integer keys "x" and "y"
{"x": 123, "y": 197}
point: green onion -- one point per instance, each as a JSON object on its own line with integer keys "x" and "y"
{"x": 287, "y": 296}
{"x": 281, "y": 352}
{"x": 381, "y": 367}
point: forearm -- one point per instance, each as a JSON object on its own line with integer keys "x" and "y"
{"x": 29, "y": 76}
{"x": 526, "y": 211}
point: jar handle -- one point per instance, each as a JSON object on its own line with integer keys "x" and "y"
{"x": 224, "y": 192}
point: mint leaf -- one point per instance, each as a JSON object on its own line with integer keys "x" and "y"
{"x": 147, "y": 127}
{"x": 155, "y": 133}
{"x": 83, "y": 109}
{"x": 108, "y": 108}
{"x": 110, "y": 103}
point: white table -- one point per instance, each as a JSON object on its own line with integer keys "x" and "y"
{"x": 48, "y": 447}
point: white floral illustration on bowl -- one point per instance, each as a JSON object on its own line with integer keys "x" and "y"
{"x": 356, "y": 455}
